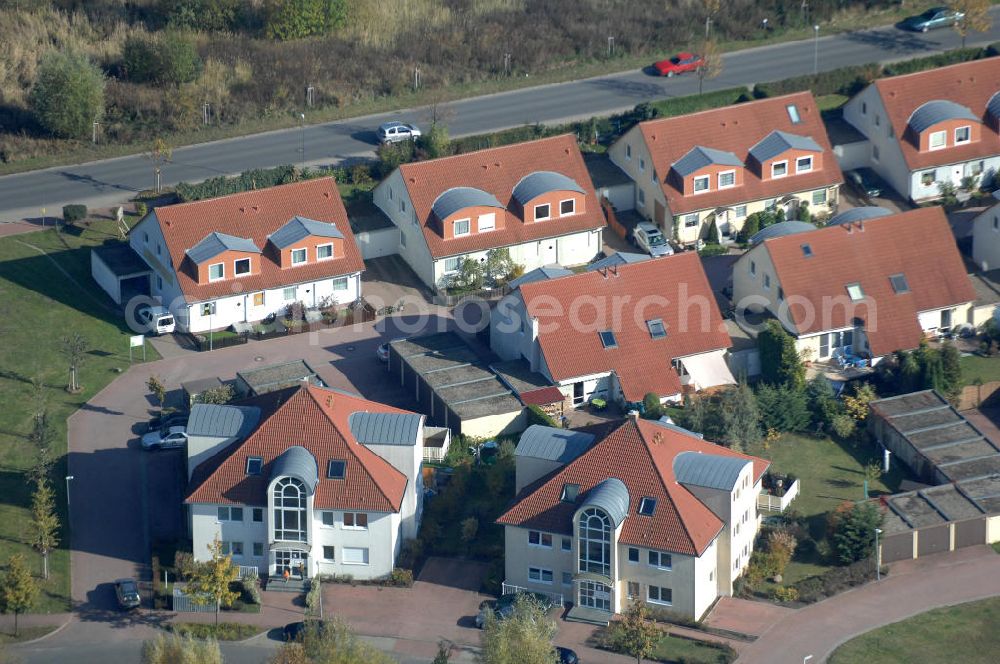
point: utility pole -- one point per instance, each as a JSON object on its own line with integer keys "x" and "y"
{"x": 611, "y": 47}
{"x": 94, "y": 137}
{"x": 310, "y": 90}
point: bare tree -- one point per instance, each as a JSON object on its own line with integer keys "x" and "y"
{"x": 73, "y": 348}
{"x": 711, "y": 65}
{"x": 159, "y": 154}
{"x": 977, "y": 17}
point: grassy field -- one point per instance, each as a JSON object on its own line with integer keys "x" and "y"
{"x": 674, "y": 649}
{"x": 46, "y": 292}
{"x": 985, "y": 368}
{"x": 965, "y": 633}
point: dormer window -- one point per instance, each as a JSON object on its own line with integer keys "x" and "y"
{"x": 460, "y": 227}
{"x": 487, "y": 222}
{"x": 299, "y": 256}
{"x": 779, "y": 169}
{"x": 567, "y": 207}
{"x": 542, "y": 212}
{"x": 963, "y": 135}
{"x": 804, "y": 164}
{"x": 241, "y": 266}
{"x": 254, "y": 465}
{"x": 701, "y": 184}
{"x": 727, "y": 179}
{"x": 324, "y": 252}
{"x": 216, "y": 271}
{"x": 569, "y": 493}
{"x": 937, "y": 140}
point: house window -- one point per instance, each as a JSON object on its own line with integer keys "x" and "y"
{"x": 793, "y": 113}
{"x": 402, "y": 238}
{"x": 700, "y": 184}
{"x": 289, "y": 501}
{"x": 875, "y": 152}
{"x": 781, "y": 293}
{"x": 390, "y": 193}
{"x": 339, "y": 283}
{"x": 569, "y": 493}
{"x": 460, "y": 227}
{"x": 567, "y": 578}
{"x": 741, "y": 211}
{"x": 608, "y": 339}
{"x": 804, "y": 164}
{"x": 290, "y": 293}
{"x": 642, "y": 197}
{"x": 542, "y": 212}
{"x": 328, "y": 552}
{"x": 996, "y": 223}
{"x": 241, "y": 266}
{"x": 779, "y": 169}
{"x": 159, "y": 279}
{"x": 298, "y": 256}
{"x": 324, "y": 252}
{"x": 647, "y": 506}
{"x": 216, "y": 271}
{"x": 660, "y": 560}
{"x": 354, "y": 555}
{"x": 595, "y": 542}
{"x": 899, "y": 284}
{"x": 567, "y": 544}
{"x": 633, "y": 554}
{"x": 824, "y": 345}
{"x": 656, "y": 328}
{"x": 946, "y": 319}
{"x": 727, "y": 179}
{"x": 753, "y": 269}
{"x": 356, "y": 520}
{"x": 258, "y": 299}
{"x": 208, "y": 309}
{"x": 807, "y": 250}
{"x": 628, "y": 152}
{"x": 145, "y": 238}
{"x": 819, "y": 197}
{"x": 864, "y": 108}
{"x": 536, "y": 538}
{"x": 402, "y": 205}
{"x": 335, "y": 469}
{"x": 937, "y": 140}
{"x": 566, "y": 207}
{"x": 257, "y": 515}
{"x": 254, "y": 464}
{"x": 258, "y": 549}
{"x": 452, "y": 264}
{"x": 927, "y": 178}
{"x": 878, "y": 119}
{"x": 230, "y": 513}
{"x": 232, "y": 548}
{"x": 767, "y": 282}
{"x": 327, "y": 518}
{"x": 158, "y": 248}
{"x": 963, "y": 135}
{"x": 770, "y": 204}
{"x": 855, "y": 292}
{"x": 691, "y": 220}
{"x": 976, "y": 167}
{"x": 659, "y": 595}
{"x": 540, "y": 575}
{"x": 642, "y": 164}
{"x": 487, "y": 222}
{"x": 633, "y": 590}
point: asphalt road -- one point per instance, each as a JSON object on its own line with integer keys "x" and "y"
{"x": 109, "y": 182}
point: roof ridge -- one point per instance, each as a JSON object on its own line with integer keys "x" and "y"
{"x": 719, "y": 109}
{"x": 667, "y": 489}
{"x": 202, "y": 201}
{"x": 885, "y": 80}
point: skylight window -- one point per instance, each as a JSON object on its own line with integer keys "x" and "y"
{"x": 807, "y": 250}
{"x": 647, "y": 506}
{"x": 899, "y": 284}
{"x": 608, "y": 339}
{"x": 569, "y": 493}
{"x": 656, "y": 328}
{"x": 855, "y": 292}
{"x": 793, "y": 113}
{"x": 336, "y": 469}
{"x": 254, "y": 465}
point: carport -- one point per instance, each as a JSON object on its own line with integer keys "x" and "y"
{"x": 120, "y": 271}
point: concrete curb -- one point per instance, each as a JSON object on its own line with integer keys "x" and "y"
{"x": 43, "y": 637}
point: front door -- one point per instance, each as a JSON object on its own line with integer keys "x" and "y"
{"x": 577, "y": 393}
{"x": 956, "y": 175}
{"x": 292, "y": 561}
{"x": 595, "y": 595}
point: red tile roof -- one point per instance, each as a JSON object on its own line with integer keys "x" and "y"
{"x": 542, "y": 396}
{"x": 316, "y": 419}
{"x": 918, "y": 244}
{"x": 672, "y": 288}
{"x": 255, "y": 215}
{"x": 641, "y": 454}
{"x": 736, "y": 129}
{"x": 970, "y": 84}
{"x": 497, "y": 171}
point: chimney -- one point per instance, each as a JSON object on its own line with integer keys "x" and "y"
{"x": 633, "y": 415}
{"x": 614, "y": 269}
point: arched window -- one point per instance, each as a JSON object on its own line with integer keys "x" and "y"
{"x": 289, "y": 502}
{"x": 595, "y": 542}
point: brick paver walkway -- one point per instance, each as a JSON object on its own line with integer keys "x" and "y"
{"x": 745, "y": 616}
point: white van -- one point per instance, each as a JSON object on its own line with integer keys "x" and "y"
{"x": 158, "y": 320}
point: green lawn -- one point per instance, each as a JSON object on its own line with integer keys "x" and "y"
{"x": 965, "y": 633}
{"x": 674, "y": 649}
{"x": 985, "y": 368}
{"x": 39, "y": 304}
{"x": 25, "y": 634}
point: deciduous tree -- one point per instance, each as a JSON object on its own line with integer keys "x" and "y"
{"x": 524, "y": 637}
{"x": 68, "y": 95}
{"x": 156, "y": 387}
{"x": 210, "y": 579}
{"x": 158, "y": 155}
{"x": 711, "y": 65}
{"x": 44, "y": 530}
{"x": 176, "y": 649}
{"x": 18, "y": 589}
{"x": 74, "y": 348}
{"x": 636, "y": 633}
{"x": 977, "y": 17}
{"x": 329, "y": 642}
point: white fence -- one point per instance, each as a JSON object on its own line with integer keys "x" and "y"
{"x": 768, "y": 503}
{"x": 248, "y": 571}
{"x": 510, "y": 589}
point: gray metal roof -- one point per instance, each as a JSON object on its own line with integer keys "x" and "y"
{"x": 540, "y": 274}
{"x": 542, "y": 182}
{"x": 552, "y": 444}
{"x": 611, "y": 495}
{"x": 215, "y": 243}
{"x": 215, "y": 421}
{"x": 699, "y": 157}
{"x": 993, "y": 106}
{"x": 859, "y": 214}
{"x": 781, "y": 229}
{"x": 459, "y": 198}
{"x": 938, "y": 110}
{"x": 617, "y": 258}
{"x": 298, "y": 228}
{"x": 385, "y": 428}
{"x": 708, "y": 470}
{"x": 121, "y": 259}
{"x": 778, "y": 141}
{"x": 297, "y": 462}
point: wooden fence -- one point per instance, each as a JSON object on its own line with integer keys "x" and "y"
{"x": 613, "y": 223}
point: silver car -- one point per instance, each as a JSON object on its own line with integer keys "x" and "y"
{"x": 649, "y": 238}
{"x": 165, "y": 438}
{"x": 396, "y": 132}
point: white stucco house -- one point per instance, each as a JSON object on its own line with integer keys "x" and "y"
{"x": 309, "y": 479}
{"x": 986, "y": 236}
{"x": 649, "y": 513}
{"x": 930, "y": 127}
{"x": 534, "y": 199}
{"x": 722, "y": 165}
{"x": 618, "y": 331}
{"x": 868, "y": 284}
{"x": 242, "y": 257}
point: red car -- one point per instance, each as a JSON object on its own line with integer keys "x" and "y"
{"x": 679, "y": 64}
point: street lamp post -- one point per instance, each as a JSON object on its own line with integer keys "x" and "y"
{"x": 68, "y": 478}
{"x": 806, "y": 659}
{"x": 815, "y": 50}
{"x": 878, "y": 556}
{"x": 302, "y": 116}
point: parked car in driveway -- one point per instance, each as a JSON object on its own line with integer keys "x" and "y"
{"x": 157, "y": 320}
{"x": 649, "y": 238}
{"x": 503, "y": 606}
{"x": 395, "y": 132}
{"x": 681, "y": 63}
{"x": 567, "y": 656}
{"x": 161, "y": 422}
{"x": 935, "y": 17}
{"x": 165, "y": 438}
{"x": 294, "y": 631}
{"x": 127, "y": 593}
{"x": 866, "y": 182}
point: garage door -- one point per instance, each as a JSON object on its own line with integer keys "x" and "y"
{"x": 374, "y": 244}
{"x": 934, "y": 540}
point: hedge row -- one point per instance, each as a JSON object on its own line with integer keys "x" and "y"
{"x": 536, "y": 415}
{"x": 257, "y": 178}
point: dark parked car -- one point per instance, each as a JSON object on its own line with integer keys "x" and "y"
{"x": 295, "y": 631}
{"x": 866, "y": 182}
{"x": 935, "y": 17}
{"x": 567, "y": 656}
{"x": 127, "y": 593}
{"x": 503, "y": 606}
{"x": 161, "y": 422}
